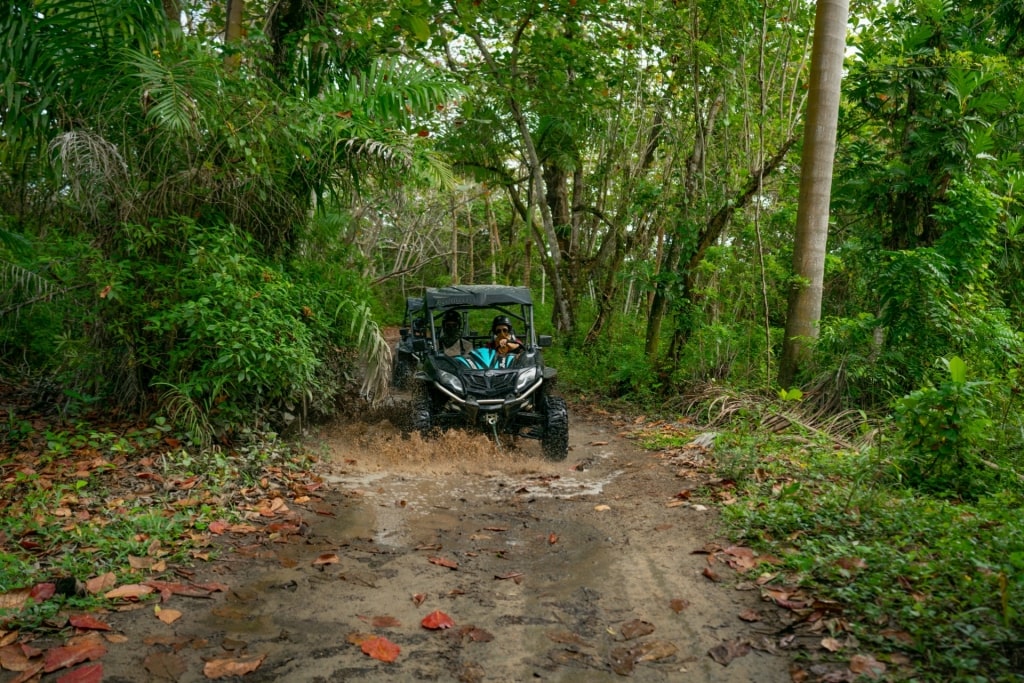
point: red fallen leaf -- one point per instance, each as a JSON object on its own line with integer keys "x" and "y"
{"x": 218, "y": 527}
{"x": 63, "y": 657}
{"x": 443, "y": 562}
{"x": 223, "y": 668}
{"x": 437, "y": 620}
{"x": 710, "y": 574}
{"x": 552, "y": 538}
{"x": 41, "y": 592}
{"x": 90, "y": 673}
{"x": 381, "y": 648}
{"x": 418, "y": 598}
{"x": 86, "y": 621}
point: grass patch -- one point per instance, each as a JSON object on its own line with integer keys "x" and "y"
{"x": 923, "y": 580}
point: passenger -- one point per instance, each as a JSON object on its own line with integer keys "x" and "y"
{"x": 503, "y": 339}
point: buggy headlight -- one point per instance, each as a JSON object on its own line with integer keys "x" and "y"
{"x": 526, "y": 378}
{"x": 450, "y": 381}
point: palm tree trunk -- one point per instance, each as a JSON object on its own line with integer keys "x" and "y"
{"x": 815, "y": 187}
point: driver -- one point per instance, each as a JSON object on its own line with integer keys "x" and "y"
{"x": 451, "y": 335}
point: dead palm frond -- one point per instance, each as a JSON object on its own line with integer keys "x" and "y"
{"x": 93, "y": 168}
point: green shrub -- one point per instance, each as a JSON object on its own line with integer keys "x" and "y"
{"x": 942, "y": 433}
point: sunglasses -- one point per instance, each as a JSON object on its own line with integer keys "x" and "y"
{"x": 501, "y": 330}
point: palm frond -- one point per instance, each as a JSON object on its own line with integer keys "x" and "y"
{"x": 374, "y": 349}
{"x": 174, "y": 96}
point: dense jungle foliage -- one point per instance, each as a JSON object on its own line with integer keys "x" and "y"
{"x": 208, "y": 216}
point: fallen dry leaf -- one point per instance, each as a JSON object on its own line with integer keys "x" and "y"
{"x": 552, "y": 538}
{"x": 636, "y": 628}
{"x": 477, "y": 635}
{"x": 677, "y": 605}
{"x": 381, "y": 648}
{"x": 418, "y": 598}
{"x": 164, "y": 666}
{"x": 325, "y": 559}
{"x": 168, "y": 616}
{"x": 831, "y": 644}
{"x": 88, "y": 622}
{"x": 14, "y": 600}
{"x": 69, "y": 655}
{"x": 385, "y": 622}
{"x": 602, "y": 508}
{"x": 726, "y": 651}
{"x": 90, "y": 673}
{"x": 443, "y": 562}
{"x": 223, "y": 668}
{"x": 750, "y": 615}
{"x": 866, "y": 665}
{"x": 437, "y": 620}
{"x": 653, "y": 650}
{"x": 852, "y": 563}
{"x": 101, "y": 583}
{"x": 14, "y": 658}
{"x": 708, "y": 573}
{"x": 132, "y": 591}
{"x": 42, "y": 592}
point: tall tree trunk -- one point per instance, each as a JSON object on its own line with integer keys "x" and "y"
{"x": 172, "y": 9}
{"x": 492, "y": 226}
{"x": 233, "y": 33}
{"x": 811, "y": 237}
{"x": 454, "y": 263}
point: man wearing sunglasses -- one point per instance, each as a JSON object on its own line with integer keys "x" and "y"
{"x": 503, "y": 339}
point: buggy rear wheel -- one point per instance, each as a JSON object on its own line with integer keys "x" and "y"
{"x": 401, "y": 372}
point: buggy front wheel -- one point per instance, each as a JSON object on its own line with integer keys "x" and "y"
{"x": 555, "y": 442}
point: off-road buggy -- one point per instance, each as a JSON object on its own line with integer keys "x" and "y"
{"x": 473, "y": 386}
{"x": 406, "y": 358}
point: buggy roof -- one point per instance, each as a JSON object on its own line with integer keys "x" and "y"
{"x": 413, "y": 303}
{"x": 475, "y": 296}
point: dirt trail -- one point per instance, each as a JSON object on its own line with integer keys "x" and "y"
{"x": 582, "y": 570}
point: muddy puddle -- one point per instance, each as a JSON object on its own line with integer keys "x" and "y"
{"x": 583, "y": 570}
